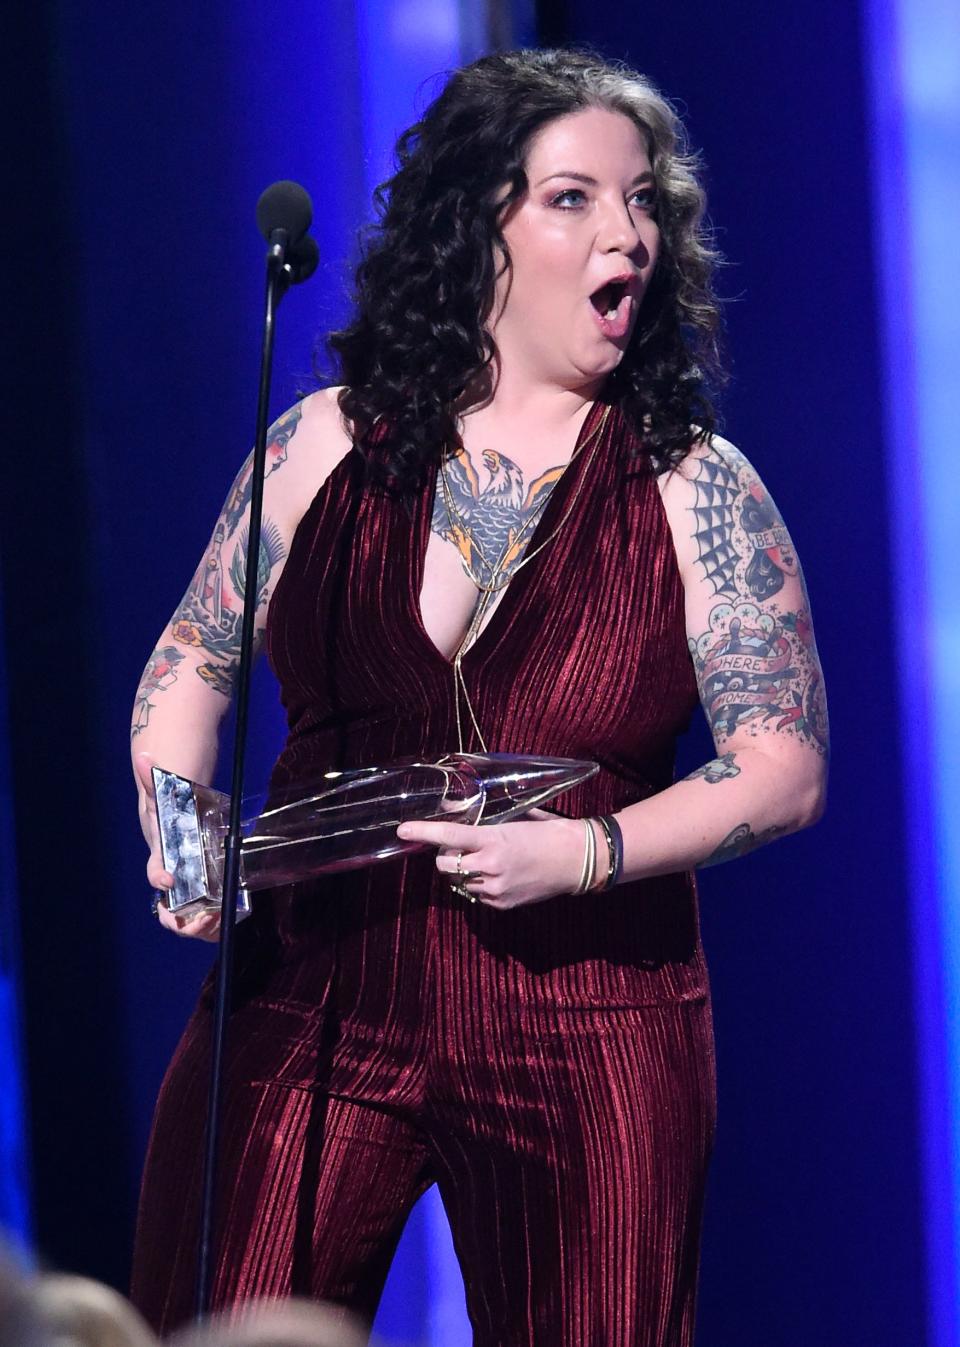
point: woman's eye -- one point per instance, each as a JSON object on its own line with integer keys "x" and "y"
{"x": 645, "y": 197}
{"x": 570, "y": 196}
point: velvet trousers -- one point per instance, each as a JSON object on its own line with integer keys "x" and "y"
{"x": 569, "y": 1139}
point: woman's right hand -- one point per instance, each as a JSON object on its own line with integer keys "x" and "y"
{"x": 206, "y": 926}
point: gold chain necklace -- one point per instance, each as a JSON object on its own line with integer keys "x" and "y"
{"x": 487, "y": 591}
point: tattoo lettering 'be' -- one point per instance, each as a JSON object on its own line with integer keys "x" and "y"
{"x": 756, "y": 667}
{"x": 210, "y": 614}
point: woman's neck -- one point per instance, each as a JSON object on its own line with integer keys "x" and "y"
{"x": 518, "y": 401}
{"x": 535, "y": 429}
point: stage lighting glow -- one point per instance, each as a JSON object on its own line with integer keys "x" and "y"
{"x": 405, "y": 48}
{"x": 914, "y": 68}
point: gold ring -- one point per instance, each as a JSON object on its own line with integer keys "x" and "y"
{"x": 464, "y": 874}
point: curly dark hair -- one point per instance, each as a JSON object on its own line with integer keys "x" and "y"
{"x": 425, "y": 282}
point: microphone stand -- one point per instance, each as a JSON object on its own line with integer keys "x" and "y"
{"x": 279, "y": 277}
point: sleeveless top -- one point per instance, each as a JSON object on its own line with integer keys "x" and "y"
{"x": 585, "y": 656}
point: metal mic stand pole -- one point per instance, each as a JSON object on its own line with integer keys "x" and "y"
{"x": 277, "y": 281}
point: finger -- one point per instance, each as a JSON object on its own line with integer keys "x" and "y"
{"x": 206, "y": 926}
{"x": 460, "y": 836}
{"x": 470, "y": 866}
{"x": 157, "y": 876}
{"x": 473, "y": 852}
{"x": 172, "y": 922}
{"x": 461, "y": 867}
{"x": 202, "y": 925}
{"x": 199, "y": 928}
{"x": 143, "y": 766}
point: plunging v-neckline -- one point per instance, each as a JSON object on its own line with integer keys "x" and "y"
{"x": 421, "y": 535}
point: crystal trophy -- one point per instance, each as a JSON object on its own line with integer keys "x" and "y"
{"x": 343, "y": 821}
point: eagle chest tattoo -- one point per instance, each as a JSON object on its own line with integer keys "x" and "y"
{"x": 490, "y": 522}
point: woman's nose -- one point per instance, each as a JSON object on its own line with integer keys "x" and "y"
{"x": 618, "y": 230}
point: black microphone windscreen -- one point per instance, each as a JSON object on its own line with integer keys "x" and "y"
{"x": 302, "y": 259}
{"x": 284, "y": 205}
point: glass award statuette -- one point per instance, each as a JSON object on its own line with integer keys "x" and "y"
{"x": 344, "y": 821}
{"x": 193, "y": 827}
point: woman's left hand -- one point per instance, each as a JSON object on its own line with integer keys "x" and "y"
{"x": 506, "y": 864}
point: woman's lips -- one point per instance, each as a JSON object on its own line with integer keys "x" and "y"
{"x": 615, "y": 325}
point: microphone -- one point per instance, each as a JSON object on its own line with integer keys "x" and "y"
{"x": 301, "y": 260}
{"x": 284, "y": 213}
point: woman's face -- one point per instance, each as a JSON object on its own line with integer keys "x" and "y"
{"x": 583, "y": 244}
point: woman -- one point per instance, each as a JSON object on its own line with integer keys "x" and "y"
{"x": 511, "y": 527}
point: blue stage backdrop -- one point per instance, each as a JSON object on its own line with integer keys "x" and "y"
{"x": 153, "y": 132}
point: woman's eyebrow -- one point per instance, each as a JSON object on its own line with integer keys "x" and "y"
{"x": 592, "y": 182}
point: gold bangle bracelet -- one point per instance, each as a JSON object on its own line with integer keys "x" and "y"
{"x": 589, "y": 867}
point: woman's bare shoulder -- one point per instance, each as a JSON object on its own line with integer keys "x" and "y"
{"x": 675, "y": 483}
{"x": 707, "y": 501}
{"x": 307, "y": 443}
{"x": 708, "y": 474}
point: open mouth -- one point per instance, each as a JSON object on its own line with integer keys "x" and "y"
{"x": 608, "y": 298}
{"x": 613, "y": 308}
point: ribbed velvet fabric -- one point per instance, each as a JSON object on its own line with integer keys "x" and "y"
{"x": 551, "y": 1067}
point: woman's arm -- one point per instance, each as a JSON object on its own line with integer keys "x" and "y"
{"x": 188, "y": 683}
{"x": 751, "y": 639}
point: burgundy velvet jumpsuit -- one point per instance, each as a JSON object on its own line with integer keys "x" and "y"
{"x": 551, "y": 1068}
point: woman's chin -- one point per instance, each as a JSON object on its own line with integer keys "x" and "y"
{"x": 598, "y": 364}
